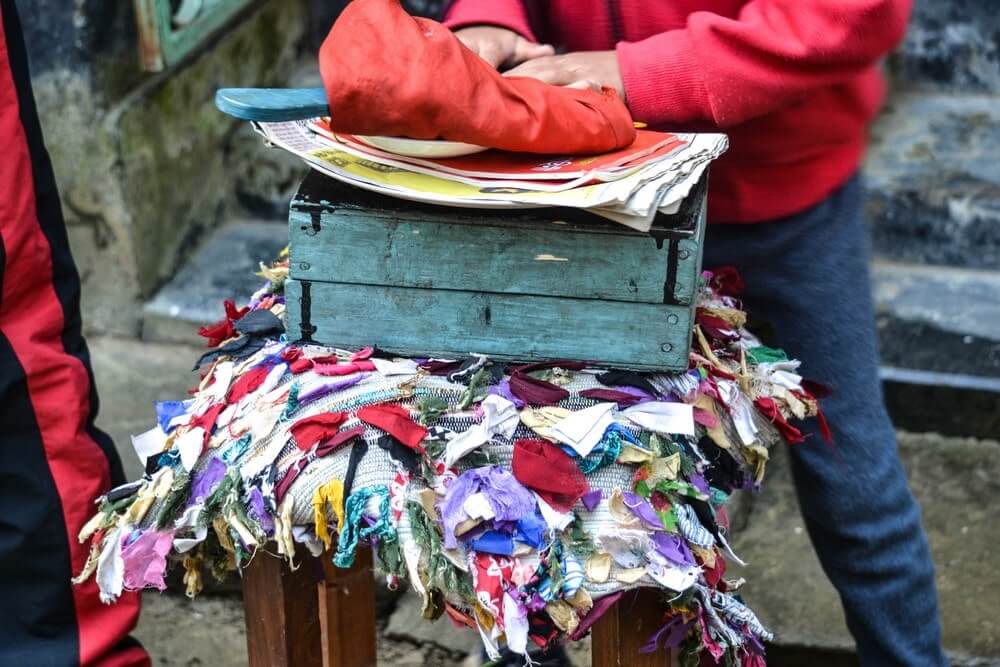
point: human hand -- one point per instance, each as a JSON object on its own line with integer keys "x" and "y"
{"x": 501, "y": 47}
{"x": 582, "y": 69}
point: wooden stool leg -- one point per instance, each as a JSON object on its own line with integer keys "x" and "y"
{"x": 282, "y": 613}
{"x": 625, "y": 628}
{"x": 347, "y": 612}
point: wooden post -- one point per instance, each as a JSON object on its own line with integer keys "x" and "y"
{"x": 320, "y": 616}
{"x": 317, "y": 616}
{"x": 625, "y": 628}
{"x": 347, "y": 612}
{"x": 282, "y": 612}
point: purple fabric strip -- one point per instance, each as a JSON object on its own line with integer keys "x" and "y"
{"x": 669, "y": 636}
{"x": 508, "y": 499}
{"x": 502, "y": 389}
{"x": 536, "y": 603}
{"x": 592, "y": 499}
{"x": 698, "y": 481}
{"x": 327, "y": 389}
{"x": 601, "y": 605}
{"x": 145, "y": 560}
{"x": 205, "y": 481}
{"x": 258, "y": 511}
{"x": 673, "y": 549}
{"x": 640, "y": 394}
{"x": 643, "y": 510}
{"x": 755, "y": 645}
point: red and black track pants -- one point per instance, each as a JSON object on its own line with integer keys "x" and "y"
{"x": 53, "y": 462}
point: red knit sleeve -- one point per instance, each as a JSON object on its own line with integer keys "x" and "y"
{"x": 774, "y": 53}
{"x": 510, "y": 14}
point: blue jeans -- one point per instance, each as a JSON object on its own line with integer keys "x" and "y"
{"x": 807, "y": 275}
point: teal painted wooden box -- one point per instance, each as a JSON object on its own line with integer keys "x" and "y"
{"x": 424, "y": 280}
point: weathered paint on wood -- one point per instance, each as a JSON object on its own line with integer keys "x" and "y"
{"x": 449, "y": 323}
{"x": 369, "y": 239}
{"x": 689, "y": 256}
{"x": 426, "y": 280}
{"x": 168, "y": 33}
{"x": 545, "y": 259}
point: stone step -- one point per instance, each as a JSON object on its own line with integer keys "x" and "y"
{"x": 952, "y": 404}
{"x": 939, "y": 331}
{"x": 951, "y": 44}
{"x": 938, "y": 319}
{"x": 934, "y": 180}
{"x": 222, "y": 268}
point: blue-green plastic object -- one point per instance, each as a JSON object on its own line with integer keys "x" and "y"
{"x": 272, "y": 105}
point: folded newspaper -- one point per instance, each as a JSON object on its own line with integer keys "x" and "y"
{"x": 630, "y": 186}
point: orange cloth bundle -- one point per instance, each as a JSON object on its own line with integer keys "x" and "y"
{"x": 391, "y": 74}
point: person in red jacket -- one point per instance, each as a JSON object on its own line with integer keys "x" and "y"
{"x": 53, "y": 461}
{"x": 795, "y": 84}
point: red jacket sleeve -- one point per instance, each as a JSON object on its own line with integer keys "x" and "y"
{"x": 728, "y": 70}
{"x": 510, "y": 14}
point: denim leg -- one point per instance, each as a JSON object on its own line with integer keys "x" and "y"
{"x": 807, "y": 276}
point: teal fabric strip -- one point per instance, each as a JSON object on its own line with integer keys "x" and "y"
{"x": 353, "y": 532}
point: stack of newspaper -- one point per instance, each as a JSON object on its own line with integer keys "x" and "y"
{"x": 629, "y": 186}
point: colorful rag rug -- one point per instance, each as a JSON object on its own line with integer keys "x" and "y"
{"x": 519, "y": 500}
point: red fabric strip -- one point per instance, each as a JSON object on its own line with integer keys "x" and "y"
{"x": 309, "y": 431}
{"x": 534, "y": 391}
{"x": 769, "y": 408}
{"x": 223, "y": 329}
{"x": 335, "y": 369}
{"x": 247, "y": 383}
{"x": 207, "y": 419}
{"x": 623, "y": 399}
{"x": 550, "y": 472}
{"x": 300, "y": 365}
{"x": 396, "y": 421}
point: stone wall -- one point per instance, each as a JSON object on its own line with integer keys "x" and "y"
{"x": 145, "y": 164}
{"x": 935, "y": 154}
{"x": 952, "y": 45}
{"x": 934, "y": 182}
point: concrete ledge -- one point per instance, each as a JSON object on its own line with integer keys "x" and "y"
{"x": 936, "y": 319}
{"x": 222, "y": 268}
{"x": 946, "y": 403}
{"x": 939, "y": 331}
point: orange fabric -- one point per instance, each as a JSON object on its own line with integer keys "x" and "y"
{"x": 390, "y": 74}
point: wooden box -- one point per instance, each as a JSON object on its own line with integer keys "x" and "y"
{"x": 523, "y": 285}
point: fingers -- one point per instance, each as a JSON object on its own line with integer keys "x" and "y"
{"x": 524, "y": 50}
{"x": 585, "y": 84}
{"x": 492, "y": 52}
{"x": 547, "y": 70}
{"x": 501, "y": 47}
{"x": 487, "y": 49}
